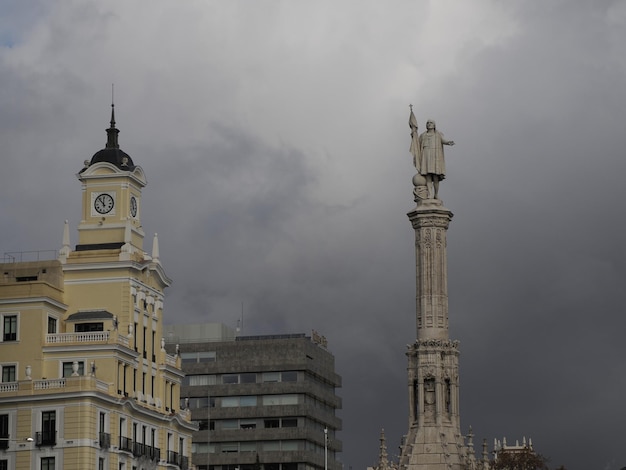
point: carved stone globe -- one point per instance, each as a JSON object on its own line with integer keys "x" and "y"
{"x": 419, "y": 180}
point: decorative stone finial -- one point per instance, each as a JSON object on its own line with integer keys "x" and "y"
{"x": 65, "y": 251}
{"x": 155, "y": 248}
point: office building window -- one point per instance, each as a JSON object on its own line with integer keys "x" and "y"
{"x": 195, "y": 357}
{"x": 199, "y": 380}
{"x": 271, "y": 376}
{"x": 9, "y": 332}
{"x": 289, "y": 376}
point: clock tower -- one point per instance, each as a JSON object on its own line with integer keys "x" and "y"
{"x": 111, "y": 212}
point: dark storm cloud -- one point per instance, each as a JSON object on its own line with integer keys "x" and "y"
{"x": 279, "y": 178}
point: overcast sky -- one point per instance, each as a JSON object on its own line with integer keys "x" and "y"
{"x": 275, "y": 139}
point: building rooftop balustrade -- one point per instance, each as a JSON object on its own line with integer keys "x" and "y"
{"x": 170, "y": 360}
{"x": 86, "y": 337}
{"x": 36, "y": 387}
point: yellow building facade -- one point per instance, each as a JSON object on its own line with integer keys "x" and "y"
{"x": 86, "y": 382}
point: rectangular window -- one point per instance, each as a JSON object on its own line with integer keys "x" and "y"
{"x": 68, "y": 369}
{"x": 206, "y": 356}
{"x": 52, "y": 325}
{"x": 289, "y": 376}
{"x": 271, "y": 445}
{"x": 230, "y": 402}
{"x": 4, "y": 464}
{"x": 48, "y": 428}
{"x": 289, "y": 445}
{"x": 247, "y": 447}
{"x": 230, "y": 379}
{"x": 87, "y": 327}
{"x": 189, "y": 357}
{"x": 8, "y": 373}
{"x": 230, "y": 424}
{"x": 290, "y": 422}
{"x": 201, "y": 380}
{"x": 270, "y": 400}
{"x": 47, "y": 463}
{"x": 229, "y": 448}
{"x": 4, "y": 433}
{"x": 4, "y": 426}
{"x": 248, "y": 401}
{"x": 248, "y": 378}
{"x": 272, "y": 423}
{"x": 100, "y": 463}
{"x": 247, "y": 424}
{"x": 10, "y": 328}
{"x": 271, "y": 376}
{"x": 145, "y": 352}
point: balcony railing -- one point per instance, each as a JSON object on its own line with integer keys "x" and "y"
{"x": 145, "y": 450}
{"x": 105, "y": 440}
{"x": 126, "y": 444}
{"x": 85, "y": 337}
{"x": 9, "y": 387}
{"x": 46, "y": 438}
{"x": 48, "y": 384}
{"x": 172, "y": 457}
{"x": 153, "y": 453}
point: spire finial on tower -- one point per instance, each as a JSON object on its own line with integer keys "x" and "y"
{"x": 112, "y": 132}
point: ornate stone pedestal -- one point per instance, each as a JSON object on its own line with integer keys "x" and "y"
{"x": 434, "y": 440}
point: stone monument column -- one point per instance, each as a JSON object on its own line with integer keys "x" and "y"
{"x": 434, "y": 440}
{"x": 430, "y": 222}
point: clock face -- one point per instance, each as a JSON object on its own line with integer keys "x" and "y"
{"x": 133, "y": 206}
{"x": 103, "y": 203}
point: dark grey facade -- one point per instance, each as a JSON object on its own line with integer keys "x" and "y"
{"x": 261, "y": 402}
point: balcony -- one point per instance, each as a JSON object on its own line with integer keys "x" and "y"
{"x": 105, "y": 440}
{"x": 153, "y": 453}
{"x": 126, "y": 444}
{"x": 174, "y": 458}
{"x": 93, "y": 337}
{"x": 46, "y": 438}
{"x": 145, "y": 450}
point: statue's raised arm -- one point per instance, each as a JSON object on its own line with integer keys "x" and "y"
{"x": 428, "y": 158}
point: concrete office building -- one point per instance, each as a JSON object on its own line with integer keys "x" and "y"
{"x": 260, "y": 401}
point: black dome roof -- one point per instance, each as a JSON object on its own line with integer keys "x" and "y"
{"x": 116, "y": 156}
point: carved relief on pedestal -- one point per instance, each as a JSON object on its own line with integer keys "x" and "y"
{"x": 429, "y": 397}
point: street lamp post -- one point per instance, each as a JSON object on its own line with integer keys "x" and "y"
{"x": 325, "y": 448}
